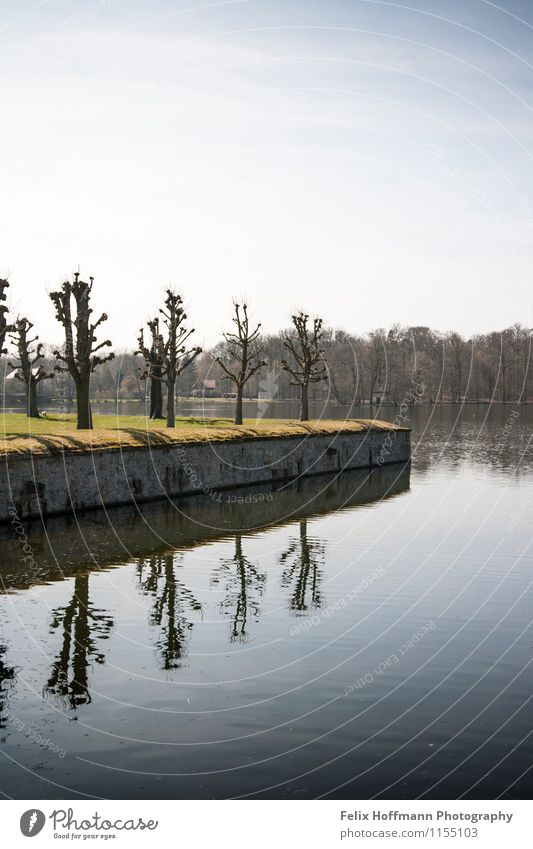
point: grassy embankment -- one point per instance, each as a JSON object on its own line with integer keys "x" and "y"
{"x": 19, "y": 435}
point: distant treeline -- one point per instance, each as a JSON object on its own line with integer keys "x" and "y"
{"x": 379, "y": 367}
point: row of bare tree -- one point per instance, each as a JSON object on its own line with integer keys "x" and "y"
{"x": 167, "y": 352}
{"x": 401, "y": 365}
{"x": 240, "y": 358}
{"x": 379, "y": 368}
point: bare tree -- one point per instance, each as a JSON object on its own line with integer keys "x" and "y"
{"x": 154, "y": 356}
{"x": 4, "y": 327}
{"x": 343, "y": 367}
{"x": 28, "y": 369}
{"x": 309, "y": 367}
{"x": 176, "y": 356}
{"x": 376, "y": 363}
{"x": 242, "y": 356}
{"x": 79, "y": 354}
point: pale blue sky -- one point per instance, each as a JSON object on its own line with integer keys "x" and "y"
{"x": 372, "y": 161}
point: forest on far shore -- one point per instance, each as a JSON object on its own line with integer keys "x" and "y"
{"x": 380, "y": 367}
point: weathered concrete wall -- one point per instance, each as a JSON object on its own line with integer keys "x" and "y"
{"x": 46, "y": 485}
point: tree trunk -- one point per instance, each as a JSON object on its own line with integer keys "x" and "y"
{"x": 31, "y": 399}
{"x": 358, "y": 386}
{"x": 83, "y": 405}
{"x": 304, "y": 403}
{"x": 171, "y": 410}
{"x": 339, "y": 397}
{"x": 238, "y": 406}
{"x": 156, "y": 394}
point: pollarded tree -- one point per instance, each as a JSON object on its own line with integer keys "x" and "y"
{"x": 4, "y": 327}
{"x": 28, "y": 369}
{"x": 309, "y": 366}
{"x": 79, "y": 356}
{"x": 176, "y": 355}
{"x": 154, "y": 356}
{"x": 242, "y": 356}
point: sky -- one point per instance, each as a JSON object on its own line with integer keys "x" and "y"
{"x": 368, "y": 161}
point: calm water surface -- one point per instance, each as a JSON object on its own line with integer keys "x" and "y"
{"x": 369, "y": 636}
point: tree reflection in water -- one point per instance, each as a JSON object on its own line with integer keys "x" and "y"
{"x": 173, "y": 608}
{"x": 172, "y": 600}
{"x": 303, "y": 564}
{"x": 243, "y": 585}
{"x": 82, "y": 626}
{"x": 7, "y": 676}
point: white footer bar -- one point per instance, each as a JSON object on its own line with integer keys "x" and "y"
{"x": 264, "y": 824}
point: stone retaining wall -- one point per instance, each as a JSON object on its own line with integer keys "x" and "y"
{"x": 52, "y": 484}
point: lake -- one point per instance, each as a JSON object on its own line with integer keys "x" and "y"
{"x": 368, "y": 636}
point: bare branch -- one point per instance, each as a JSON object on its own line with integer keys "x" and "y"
{"x": 4, "y": 326}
